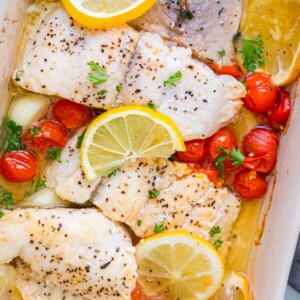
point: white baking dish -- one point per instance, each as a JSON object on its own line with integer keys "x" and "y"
{"x": 271, "y": 259}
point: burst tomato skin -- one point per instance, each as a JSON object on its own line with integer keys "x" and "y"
{"x": 260, "y": 149}
{"x": 71, "y": 114}
{"x": 250, "y": 184}
{"x": 18, "y": 166}
{"x": 232, "y": 70}
{"x": 194, "y": 153}
{"x": 51, "y": 134}
{"x": 279, "y": 114}
{"x": 137, "y": 294}
{"x": 261, "y": 92}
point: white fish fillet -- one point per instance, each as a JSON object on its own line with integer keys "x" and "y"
{"x": 211, "y": 30}
{"x": 186, "y": 200}
{"x": 67, "y": 178}
{"x": 56, "y": 56}
{"x": 200, "y": 102}
{"x": 79, "y": 252}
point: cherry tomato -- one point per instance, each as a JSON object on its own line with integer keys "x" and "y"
{"x": 195, "y": 152}
{"x": 137, "y": 294}
{"x": 261, "y": 92}
{"x": 49, "y": 134}
{"x": 232, "y": 70}
{"x": 250, "y": 184}
{"x": 279, "y": 114}
{"x": 18, "y": 166}
{"x": 225, "y": 139}
{"x": 207, "y": 167}
{"x": 260, "y": 149}
{"x": 71, "y": 114}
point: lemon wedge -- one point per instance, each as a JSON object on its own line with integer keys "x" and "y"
{"x": 235, "y": 287}
{"x": 127, "y": 133}
{"x": 277, "y": 23}
{"x": 8, "y": 290}
{"x": 105, "y": 13}
{"x": 179, "y": 265}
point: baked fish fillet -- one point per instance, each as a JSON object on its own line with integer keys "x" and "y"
{"x": 185, "y": 200}
{"x": 56, "y": 56}
{"x": 210, "y": 30}
{"x": 67, "y": 178}
{"x": 77, "y": 252}
{"x": 200, "y": 102}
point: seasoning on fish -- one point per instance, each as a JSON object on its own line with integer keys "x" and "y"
{"x": 76, "y": 252}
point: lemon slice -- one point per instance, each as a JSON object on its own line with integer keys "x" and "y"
{"x": 179, "y": 265}
{"x": 8, "y": 291}
{"x": 127, "y": 133}
{"x": 277, "y": 22}
{"x": 235, "y": 287}
{"x": 105, "y": 13}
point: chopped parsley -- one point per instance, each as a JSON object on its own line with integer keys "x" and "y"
{"x": 174, "y": 78}
{"x": 151, "y": 105}
{"x": 139, "y": 222}
{"x": 19, "y": 74}
{"x": 53, "y": 154}
{"x": 153, "y": 194}
{"x": 235, "y": 155}
{"x": 215, "y": 230}
{"x": 33, "y": 131}
{"x": 80, "y": 139}
{"x": 12, "y": 139}
{"x": 98, "y": 75}
{"x": 218, "y": 243}
{"x": 104, "y": 266}
{"x": 252, "y": 50}
{"x": 119, "y": 87}
{"x": 159, "y": 228}
{"x": 103, "y": 92}
{"x": 6, "y": 200}
{"x": 222, "y": 53}
{"x": 243, "y": 83}
{"x": 36, "y": 186}
{"x": 112, "y": 173}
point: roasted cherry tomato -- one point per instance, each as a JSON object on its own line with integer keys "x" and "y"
{"x": 195, "y": 152}
{"x": 279, "y": 114}
{"x": 261, "y": 92}
{"x": 46, "y": 134}
{"x": 260, "y": 149}
{"x": 250, "y": 184}
{"x": 137, "y": 294}
{"x": 232, "y": 70}
{"x": 207, "y": 167}
{"x": 71, "y": 114}
{"x": 18, "y": 166}
{"x": 225, "y": 139}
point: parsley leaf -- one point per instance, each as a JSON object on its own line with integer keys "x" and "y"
{"x": 159, "y": 228}
{"x": 237, "y": 157}
{"x": 139, "y": 222}
{"x": 36, "y": 187}
{"x": 99, "y": 75}
{"x": 151, "y": 105}
{"x": 218, "y": 243}
{"x": 222, "y": 53}
{"x": 119, "y": 87}
{"x": 33, "y": 131}
{"x": 80, "y": 139}
{"x": 12, "y": 139}
{"x": 112, "y": 173}
{"x": 53, "y": 154}
{"x": 174, "y": 78}
{"x": 103, "y": 92}
{"x": 252, "y": 50}
{"x": 243, "y": 83}
{"x": 153, "y": 194}
{"x": 215, "y": 230}
{"x": 6, "y": 200}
